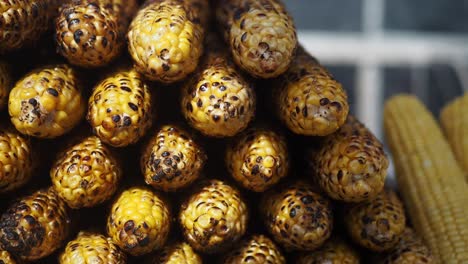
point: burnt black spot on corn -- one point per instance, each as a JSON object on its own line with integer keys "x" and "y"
{"x": 22, "y": 22}
{"x": 309, "y": 100}
{"x": 34, "y": 226}
{"x": 5, "y": 84}
{"x": 221, "y": 100}
{"x": 256, "y": 249}
{"x": 165, "y": 39}
{"x": 260, "y": 33}
{"x": 297, "y": 217}
{"x": 351, "y": 165}
{"x": 91, "y": 33}
{"x": 410, "y": 249}
{"x": 334, "y": 251}
{"x": 176, "y": 253}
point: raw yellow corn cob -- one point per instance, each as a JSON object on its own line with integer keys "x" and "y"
{"x": 34, "y": 226}
{"x": 260, "y": 33}
{"x": 258, "y": 159}
{"x": 218, "y": 100}
{"x": 298, "y": 217}
{"x": 257, "y": 249}
{"x": 172, "y": 160}
{"x": 92, "y": 248}
{"x": 410, "y": 250}
{"x": 24, "y": 21}
{"x": 378, "y": 224}
{"x": 176, "y": 254}
{"x": 119, "y": 110}
{"x": 454, "y": 121}
{"x": 5, "y": 84}
{"x": 308, "y": 99}
{"x": 139, "y": 221}
{"x": 214, "y": 217}
{"x": 334, "y": 251}
{"x": 165, "y": 39}
{"x": 47, "y": 102}
{"x": 86, "y": 174}
{"x": 351, "y": 165}
{"x": 91, "y": 33}
{"x": 6, "y": 258}
{"x": 431, "y": 182}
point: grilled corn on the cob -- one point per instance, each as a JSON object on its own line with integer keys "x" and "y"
{"x": 309, "y": 100}
{"x": 260, "y": 33}
{"x": 91, "y": 33}
{"x": 34, "y": 226}
{"x": 92, "y": 248}
{"x": 297, "y": 216}
{"x": 139, "y": 221}
{"x": 86, "y": 174}
{"x": 5, "y": 84}
{"x": 172, "y": 160}
{"x": 378, "y": 224}
{"x": 257, "y": 249}
{"x": 334, "y": 251}
{"x": 351, "y": 165}
{"x": 409, "y": 250}
{"x": 47, "y": 102}
{"x": 119, "y": 110}
{"x": 214, "y": 217}
{"x": 165, "y": 39}
{"x": 258, "y": 159}
{"x": 6, "y": 258}
{"x": 431, "y": 182}
{"x": 175, "y": 254}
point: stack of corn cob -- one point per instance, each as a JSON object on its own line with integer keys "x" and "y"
{"x": 142, "y": 180}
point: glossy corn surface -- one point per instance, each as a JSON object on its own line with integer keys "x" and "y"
{"x": 176, "y": 253}
{"x": 334, "y": 251}
{"x": 409, "y": 250}
{"x": 256, "y": 249}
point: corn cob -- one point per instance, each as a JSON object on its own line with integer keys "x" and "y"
{"x": 431, "y": 182}
{"x": 297, "y": 216}
{"x": 139, "y": 221}
{"x": 23, "y": 21}
{"x": 86, "y": 174}
{"x": 92, "y": 248}
{"x": 334, "y": 251}
{"x": 309, "y": 101}
{"x": 165, "y": 39}
{"x": 47, "y": 102}
{"x": 257, "y": 249}
{"x": 218, "y": 100}
{"x": 260, "y": 33}
{"x": 454, "y": 121}
{"x": 409, "y": 250}
{"x": 351, "y": 165}
{"x": 34, "y": 226}
{"x": 258, "y": 159}
{"x": 175, "y": 254}
{"x": 214, "y": 217}
{"x": 91, "y": 33}
{"x": 378, "y": 224}
{"x": 6, "y": 258}
{"x": 5, "y": 84}
{"x": 172, "y": 160}
{"x": 119, "y": 110}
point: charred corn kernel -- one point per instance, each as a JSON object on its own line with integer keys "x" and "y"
{"x": 86, "y": 174}
{"x": 92, "y": 248}
{"x": 119, "y": 110}
{"x": 6, "y": 258}
{"x": 309, "y": 100}
{"x": 261, "y": 35}
{"x": 454, "y": 121}
{"x": 23, "y": 21}
{"x": 5, "y": 84}
{"x": 91, "y": 33}
{"x": 139, "y": 221}
{"x": 334, "y": 251}
{"x": 431, "y": 182}
{"x": 34, "y": 226}
{"x": 47, "y": 102}
{"x": 214, "y": 217}
{"x": 165, "y": 39}
{"x": 409, "y": 250}
{"x": 175, "y": 254}
{"x": 378, "y": 224}
{"x": 257, "y": 249}
{"x": 172, "y": 160}
{"x": 297, "y": 217}
{"x": 258, "y": 159}
{"x": 218, "y": 100}
{"x": 351, "y": 165}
